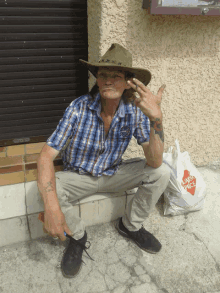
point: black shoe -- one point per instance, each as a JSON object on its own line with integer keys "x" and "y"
{"x": 72, "y": 258}
{"x": 144, "y": 239}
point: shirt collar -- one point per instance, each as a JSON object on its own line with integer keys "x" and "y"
{"x": 95, "y": 103}
{"x": 122, "y": 109}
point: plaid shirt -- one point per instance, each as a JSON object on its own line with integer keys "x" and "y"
{"x": 89, "y": 151}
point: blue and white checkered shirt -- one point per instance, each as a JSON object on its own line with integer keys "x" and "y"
{"x": 89, "y": 151}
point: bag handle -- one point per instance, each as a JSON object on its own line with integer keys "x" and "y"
{"x": 177, "y": 146}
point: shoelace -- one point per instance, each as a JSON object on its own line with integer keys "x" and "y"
{"x": 81, "y": 245}
{"x": 141, "y": 232}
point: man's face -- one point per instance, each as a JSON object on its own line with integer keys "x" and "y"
{"x": 111, "y": 83}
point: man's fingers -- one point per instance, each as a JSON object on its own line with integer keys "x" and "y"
{"x": 67, "y": 230}
{"x": 161, "y": 89}
{"x": 138, "y": 86}
{"x": 62, "y": 237}
{"x": 139, "y": 83}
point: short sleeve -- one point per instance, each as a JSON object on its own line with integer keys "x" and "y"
{"x": 65, "y": 127}
{"x": 142, "y": 131}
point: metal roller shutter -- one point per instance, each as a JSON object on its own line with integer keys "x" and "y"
{"x": 41, "y": 42}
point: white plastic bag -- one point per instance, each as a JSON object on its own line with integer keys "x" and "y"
{"x": 186, "y": 190}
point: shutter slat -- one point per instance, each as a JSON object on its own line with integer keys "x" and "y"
{"x": 37, "y": 96}
{"x": 32, "y": 101}
{"x": 32, "y": 115}
{"x": 32, "y": 127}
{"x": 38, "y": 21}
{"x": 40, "y": 28}
{"x": 8, "y": 140}
{"x": 41, "y": 52}
{"x": 38, "y": 88}
{"x": 38, "y": 81}
{"x": 52, "y": 11}
{"x": 41, "y": 44}
{"x": 39, "y": 120}
{"x": 37, "y": 74}
{"x": 40, "y": 59}
{"x": 74, "y": 36}
{"x": 35, "y": 67}
{"x": 29, "y": 109}
{"x": 43, "y": 3}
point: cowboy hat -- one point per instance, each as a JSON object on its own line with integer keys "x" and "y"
{"x": 120, "y": 58}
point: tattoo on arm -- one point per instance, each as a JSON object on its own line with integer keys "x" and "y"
{"x": 158, "y": 128}
{"x": 49, "y": 187}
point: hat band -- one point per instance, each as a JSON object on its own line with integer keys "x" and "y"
{"x": 111, "y": 61}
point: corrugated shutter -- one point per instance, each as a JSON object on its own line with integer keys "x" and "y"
{"x": 40, "y": 45}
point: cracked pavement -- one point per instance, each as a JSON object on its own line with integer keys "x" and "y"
{"x": 189, "y": 261}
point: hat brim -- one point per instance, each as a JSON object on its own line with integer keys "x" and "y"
{"x": 143, "y": 75}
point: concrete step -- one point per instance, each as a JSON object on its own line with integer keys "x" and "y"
{"x": 20, "y": 205}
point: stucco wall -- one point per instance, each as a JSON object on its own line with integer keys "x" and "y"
{"x": 181, "y": 51}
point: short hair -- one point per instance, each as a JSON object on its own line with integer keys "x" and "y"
{"x": 128, "y": 96}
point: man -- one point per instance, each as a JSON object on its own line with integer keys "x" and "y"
{"x": 93, "y": 134}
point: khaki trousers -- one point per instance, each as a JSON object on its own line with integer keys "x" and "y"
{"x": 151, "y": 183}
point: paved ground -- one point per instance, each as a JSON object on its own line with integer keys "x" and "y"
{"x": 189, "y": 261}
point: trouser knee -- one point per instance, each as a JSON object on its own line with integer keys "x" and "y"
{"x": 161, "y": 173}
{"x": 165, "y": 172}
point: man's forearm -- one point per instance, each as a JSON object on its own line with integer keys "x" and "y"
{"x": 47, "y": 183}
{"x": 156, "y": 143}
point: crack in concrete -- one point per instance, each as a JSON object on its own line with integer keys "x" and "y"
{"x": 217, "y": 266}
{"x": 201, "y": 241}
{"x": 196, "y": 237}
{"x": 183, "y": 229}
{"x": 212, "y": 282}
{"x": 216, "y": 263}
{"x": 25, "y": 190}
{"x": 153, "y": 277}
{"x": 164, "y": 290}
{"x": 154, "y": 281}
{"x": 130, "y": 269}
{"x": 60, "y": 287}
{"x": 28, "y": 224}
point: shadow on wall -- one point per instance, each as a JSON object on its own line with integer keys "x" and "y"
{"x": 173, "y": 35}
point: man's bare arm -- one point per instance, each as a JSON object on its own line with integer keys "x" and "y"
{"x": 46, "y": 177}
{"x": 157, "y": 126}
{"x": 153, "y": 149}
{"x": 54, "y": 219}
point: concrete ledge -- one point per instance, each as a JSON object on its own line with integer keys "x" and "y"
{"x": 12, "y": 201}
{"x": 14, "y": 230}
{"x": 20, "y": 205}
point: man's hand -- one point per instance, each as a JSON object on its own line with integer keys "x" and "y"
{"x": 148, "y": 103}
{"x": 55, "y": 224}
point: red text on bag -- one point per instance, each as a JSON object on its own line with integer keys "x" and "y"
{"x": 189, "y": 182}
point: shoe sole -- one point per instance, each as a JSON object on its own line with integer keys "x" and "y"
{"x": 69, "y": 276}
{"x": 127, "y": 236}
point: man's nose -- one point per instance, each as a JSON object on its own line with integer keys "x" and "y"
{"x": 109, "y": 79}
